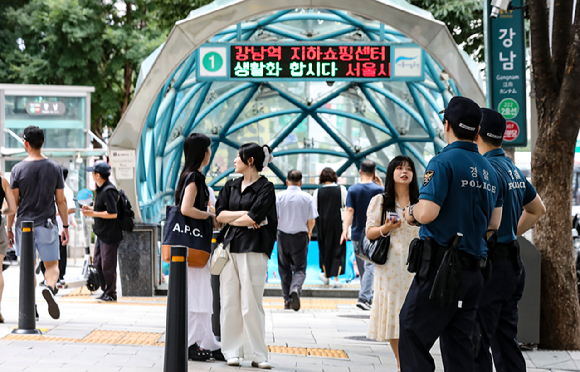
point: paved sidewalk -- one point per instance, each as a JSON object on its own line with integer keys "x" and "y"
{"x": 129, "y": 336}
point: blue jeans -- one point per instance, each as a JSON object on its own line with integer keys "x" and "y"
{"x": 367, "y": 278}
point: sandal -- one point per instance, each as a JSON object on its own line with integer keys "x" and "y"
{"x": 198, "y": 354}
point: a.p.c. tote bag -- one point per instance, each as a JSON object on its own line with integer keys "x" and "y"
{"x": 188, "y": 232}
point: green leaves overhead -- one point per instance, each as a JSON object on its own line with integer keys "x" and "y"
{"x": 464, "y": 18}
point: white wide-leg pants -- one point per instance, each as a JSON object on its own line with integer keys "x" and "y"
{"x": 243, "y": 322}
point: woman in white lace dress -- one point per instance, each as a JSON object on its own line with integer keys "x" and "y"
{"x": 392, "y": 280}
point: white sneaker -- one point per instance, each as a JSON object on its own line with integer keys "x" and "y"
{"x": 235, "y": 361}
{"x": 336, "y": 284}
{"x": 262, "y": 365}
{"x": 324, "y": 279}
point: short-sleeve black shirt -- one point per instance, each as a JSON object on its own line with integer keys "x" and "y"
{"x": 260, "y": 200}
{"x": 107, "y": 230}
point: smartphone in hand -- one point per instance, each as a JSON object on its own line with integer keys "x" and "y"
{"x": 393, "y": 217}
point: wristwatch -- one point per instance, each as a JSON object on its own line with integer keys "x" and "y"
{"x": 411, "y": 215}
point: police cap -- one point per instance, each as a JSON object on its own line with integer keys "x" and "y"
{"x": 492, "y": 125}
{"x": 462, "y": 112}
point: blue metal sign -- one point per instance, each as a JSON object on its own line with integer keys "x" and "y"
{"x": 506, "y": 83}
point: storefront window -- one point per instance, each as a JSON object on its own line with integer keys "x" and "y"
{"x": 62, "y": 118}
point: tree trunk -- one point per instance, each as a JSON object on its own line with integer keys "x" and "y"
{"x": 552, "y": 170}
{"x": 97, "y": 129}
{"x": 127, "y": 86}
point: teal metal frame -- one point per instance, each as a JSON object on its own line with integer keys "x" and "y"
{"x": 186, "y": 99}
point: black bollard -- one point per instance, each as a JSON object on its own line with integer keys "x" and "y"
{"x": 26, "y": 316}
{"x": 176, "y": 325}
{"x": 215, "y": 288}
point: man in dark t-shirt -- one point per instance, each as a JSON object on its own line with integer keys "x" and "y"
{"x": 106, "y": 228}
{"x": 37, "y": 183}
{"x": 357, "y": 202}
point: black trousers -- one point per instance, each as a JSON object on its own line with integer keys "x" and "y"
{"x": 422, "y": 321}
{"x": 105, "y": 261}
{"x": 292, "y": 259}
{"x": 497, "y": 316}
{"x": 61, "y": 262}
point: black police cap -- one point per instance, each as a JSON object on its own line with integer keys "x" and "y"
{"x": 492, "y": 125}
{"x": 462, "y": 112}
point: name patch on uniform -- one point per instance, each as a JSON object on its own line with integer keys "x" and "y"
{"x": 428, "y": 177}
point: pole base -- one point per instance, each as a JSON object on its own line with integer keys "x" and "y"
{"x": 19, "y": 331}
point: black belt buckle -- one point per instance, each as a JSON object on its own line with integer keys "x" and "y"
{"x": 482, "y": 263}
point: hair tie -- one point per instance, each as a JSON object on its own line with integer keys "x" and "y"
{"x": 268, "y": 158}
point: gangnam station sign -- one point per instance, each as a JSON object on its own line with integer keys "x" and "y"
{"x": 310, "y": 62}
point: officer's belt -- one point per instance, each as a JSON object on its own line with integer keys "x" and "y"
{"x": 502, "y": 251}
{"x": 427, "y": 255}
{"x": 509, "y": 251}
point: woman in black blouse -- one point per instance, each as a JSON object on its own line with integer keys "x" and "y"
{"x": 248, "y": 206}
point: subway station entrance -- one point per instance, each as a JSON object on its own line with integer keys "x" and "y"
{"x": 324, "y": 83}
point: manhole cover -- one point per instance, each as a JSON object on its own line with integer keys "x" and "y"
{"x": 356, "y": 316}
{"x": 359, "y": 338}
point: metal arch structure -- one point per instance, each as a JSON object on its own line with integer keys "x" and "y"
{"x": 170, "y": 104}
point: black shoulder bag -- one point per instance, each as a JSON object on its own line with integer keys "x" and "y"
{"x": 376, "y": 251}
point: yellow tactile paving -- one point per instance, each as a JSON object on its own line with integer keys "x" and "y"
{"x": 37, "y": 338}
{"x": 151, "y": 339}
{"x": 325, "y": 353}
{"x": 310, "y": 304}
{"x": 139, "y": 338}
{"x": 269, "y": 303}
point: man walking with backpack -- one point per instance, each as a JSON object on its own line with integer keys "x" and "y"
{"x": 107, "y": 229}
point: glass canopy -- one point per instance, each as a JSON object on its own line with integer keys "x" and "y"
{"x": 309, "y": 125}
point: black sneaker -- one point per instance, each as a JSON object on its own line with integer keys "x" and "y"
{"x": 198, "y": 354}
{"x": 217, "y": 355}
{"x": 106, "y": 298}
{"x": 295, "y": 303}
{"x": 36, "y": 312}
{"x": 363, "y": 305}
{"x": 53, "y": 310}
{"x": 287, "y": 305}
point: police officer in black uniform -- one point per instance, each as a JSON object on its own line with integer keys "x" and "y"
{"x": 497, "y": 314}
{"x": 459, "y": 195}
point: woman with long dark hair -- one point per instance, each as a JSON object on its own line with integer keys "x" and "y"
{"x": 248, "y": 206}
{"x": 201, "y": 340}
{"x": 330, "y": 200}
{"x": 392, "y": 280}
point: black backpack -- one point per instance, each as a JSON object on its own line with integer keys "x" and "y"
{"x": 125, "y": 212}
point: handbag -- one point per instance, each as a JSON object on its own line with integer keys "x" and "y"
{"x": 220, "y": 257}
{"x": 375, "y": 251}
{"x": 188, "y": 232}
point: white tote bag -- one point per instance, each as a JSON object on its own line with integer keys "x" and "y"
{"x": 219, "y": 257}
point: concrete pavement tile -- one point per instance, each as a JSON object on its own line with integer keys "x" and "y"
{"x": 142, "y": 361}
{"x": 136, "y": 369}
{"x": 545, "y": 359}
{"x": 12, "y": 368}
{"x": 68, "y": 333}
{"x": 385, "y": 368}
{"x": 575, "y": 355}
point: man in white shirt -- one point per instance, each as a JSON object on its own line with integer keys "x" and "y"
{"x": 296, "y": 218}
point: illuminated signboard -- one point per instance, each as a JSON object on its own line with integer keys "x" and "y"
{"x": 310, "y": 61}
{"x": 314, "y": 62}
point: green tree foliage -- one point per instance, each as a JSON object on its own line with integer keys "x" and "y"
{"x": 464, "y": 18}
{"x": 85, "y": 42}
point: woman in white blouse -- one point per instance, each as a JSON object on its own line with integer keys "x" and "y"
{"x": 392, "y": 280}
